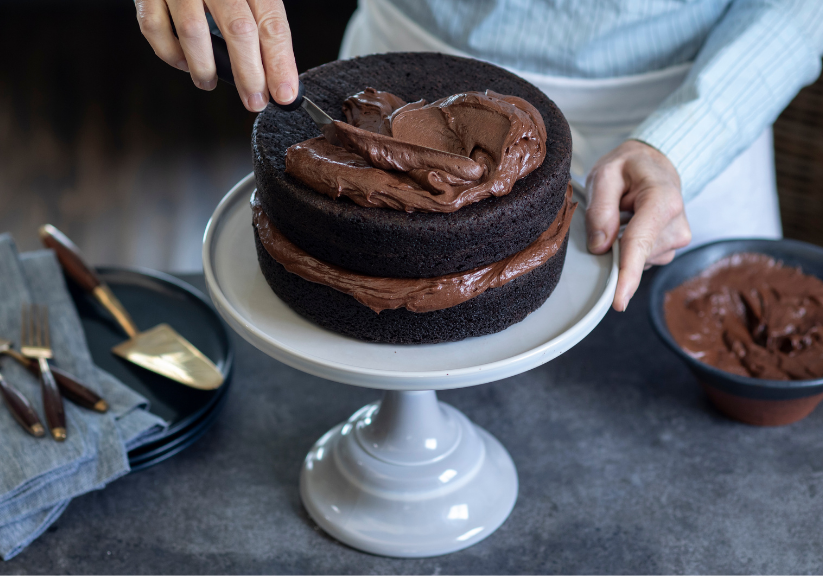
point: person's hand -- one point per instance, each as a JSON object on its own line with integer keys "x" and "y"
{"x": 256, "y": 32}
{"x": 637, "y": 178}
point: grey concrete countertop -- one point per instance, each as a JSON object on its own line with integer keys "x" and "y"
{"x": 624, "y": 468}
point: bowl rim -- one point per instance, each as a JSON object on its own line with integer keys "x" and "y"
{"x": 657, "y": 298}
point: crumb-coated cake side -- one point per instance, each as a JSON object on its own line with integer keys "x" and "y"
{"x": 492, "y": 311}
{"x": 386, "y": 242}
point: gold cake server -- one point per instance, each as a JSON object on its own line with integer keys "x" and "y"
{"x": 160, "y": 349}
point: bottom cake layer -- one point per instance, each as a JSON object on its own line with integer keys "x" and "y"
{"x": 492, "y": 311}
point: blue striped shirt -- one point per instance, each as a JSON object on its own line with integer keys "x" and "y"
{"x": 750, "y": 58}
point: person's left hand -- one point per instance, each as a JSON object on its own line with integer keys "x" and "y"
{"x": 637, "y": 178}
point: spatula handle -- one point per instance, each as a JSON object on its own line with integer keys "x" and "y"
{"x": 21, "y": 409}
{"x": 72, "y": 262}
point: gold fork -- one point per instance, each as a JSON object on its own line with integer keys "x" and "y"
{"x": 35, "y": 343}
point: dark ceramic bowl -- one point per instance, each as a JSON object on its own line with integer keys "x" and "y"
{"x": 750, "y": 400}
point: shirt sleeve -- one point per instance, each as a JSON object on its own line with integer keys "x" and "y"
{"x": 755, "y": 60}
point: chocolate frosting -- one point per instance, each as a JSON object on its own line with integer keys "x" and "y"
{"x": 749, "y": 315}
{"x": 422, "y": 157}
{"x": 414, "y": 294}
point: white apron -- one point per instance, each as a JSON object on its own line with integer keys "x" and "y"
{"x": 740, "y": 202}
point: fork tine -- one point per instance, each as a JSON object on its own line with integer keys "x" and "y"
{"x": 41, "y": 326}
{"x": 30, "y": 312}
{"x": 32, "y": 327}
{"x": 46, "y": 333}
{"x": 24, "y": 337}
{"x": 35, "y": 323}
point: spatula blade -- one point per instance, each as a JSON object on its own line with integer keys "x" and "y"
{"x": 162, "y": 350}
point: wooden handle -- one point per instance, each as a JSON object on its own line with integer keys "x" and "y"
{"x": 72, "y": 389}
{"x": 72, "y": 262}
{"x": 21, "y": 409}
{"x": 52, "y": 402}
{"x": 69, "y": 256}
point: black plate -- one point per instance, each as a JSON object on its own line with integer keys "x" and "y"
{"x": 154, "y": 453}
{"x": 152, "y": 298}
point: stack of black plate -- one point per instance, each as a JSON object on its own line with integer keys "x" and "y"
{"x": 153, "y": 298}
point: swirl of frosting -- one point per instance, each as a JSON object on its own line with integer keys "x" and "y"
{"x": 422, "y": 157}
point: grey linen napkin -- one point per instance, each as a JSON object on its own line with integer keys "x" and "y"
{"x": 38, "y": 476}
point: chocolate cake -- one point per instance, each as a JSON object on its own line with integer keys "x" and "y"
{"x": 417, "y": 229}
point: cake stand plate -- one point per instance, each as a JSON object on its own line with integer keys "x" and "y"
{"x": 407, "y": 476}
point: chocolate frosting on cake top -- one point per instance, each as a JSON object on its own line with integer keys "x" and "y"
{"x": 422, "y": 157}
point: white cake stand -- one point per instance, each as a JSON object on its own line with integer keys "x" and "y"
{"x": 407, "y": 476}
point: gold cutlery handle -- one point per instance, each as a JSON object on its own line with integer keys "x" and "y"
{"x": 52, "y": 402}
{"x": 75, "y": 266}
{"x": 103, "y": 294}
{"x": 21, "y": 409}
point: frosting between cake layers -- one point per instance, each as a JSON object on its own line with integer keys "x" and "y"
{"x": 422, "y": 157}
{"x": 749, "y": 315}
{"x": 414, "y": 294}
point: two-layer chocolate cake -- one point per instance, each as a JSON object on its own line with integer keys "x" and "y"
{"x": 443, "y": 213}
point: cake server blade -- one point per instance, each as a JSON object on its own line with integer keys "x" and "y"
{"x": 160, "y": 349}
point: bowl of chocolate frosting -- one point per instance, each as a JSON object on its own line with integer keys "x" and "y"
{"x": 747, "y": 318}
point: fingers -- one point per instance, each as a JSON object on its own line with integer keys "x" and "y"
{"x": 606, "y": 186}
{"x": 653, "y": 213}
{"x": 155, "y": 25}
{"x": 674, "y": 236}
{"x": 256, "y": 33}
{"x": 660, "y": 260}
{"x": 276, "y": 47}
{"x": 638, "y": 179}
{"x": 239, "y": 29}
{"x": 189, "y": 18}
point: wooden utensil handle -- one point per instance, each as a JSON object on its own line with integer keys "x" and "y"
{"x": 72, "y": 389}
{"x": 69, "y": 256}
{"x": 84, "y": 275}
{"x": 21, "y": 409}
{"x": 52, "y": 402}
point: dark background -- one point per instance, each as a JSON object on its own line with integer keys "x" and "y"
{"x": 124, "y": 154}
{"x": 104, "y": 140}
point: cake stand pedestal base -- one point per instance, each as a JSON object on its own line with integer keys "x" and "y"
{"x": 408, "y": 477}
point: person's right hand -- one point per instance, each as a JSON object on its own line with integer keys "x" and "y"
{"x": 256, "y": 32}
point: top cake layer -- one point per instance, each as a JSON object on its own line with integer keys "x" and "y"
{"x": 392, "y": 243}
{"x": 423, "y": 157}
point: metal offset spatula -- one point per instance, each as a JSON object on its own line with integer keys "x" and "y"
{"x": 160, "y": 349}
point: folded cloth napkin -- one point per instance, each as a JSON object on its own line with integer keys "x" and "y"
{"x": 38, "y": 476}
